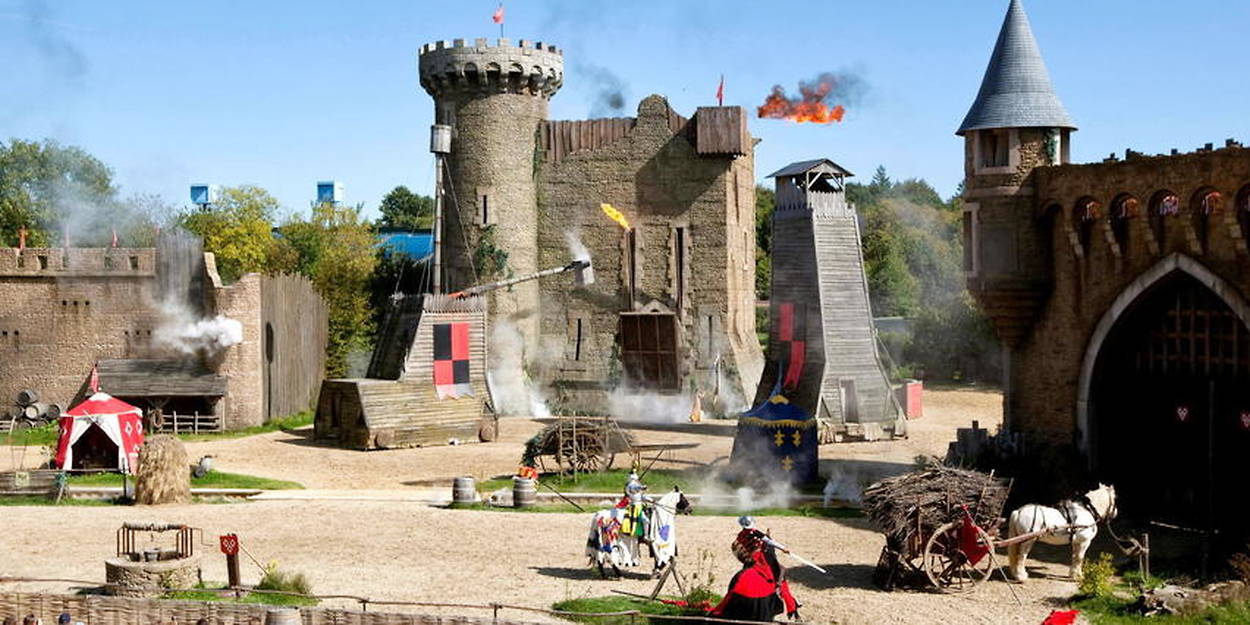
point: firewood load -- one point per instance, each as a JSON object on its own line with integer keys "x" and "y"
{"x": 916, "y": 503}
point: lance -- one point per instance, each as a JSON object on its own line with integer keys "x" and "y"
{"x": 748, "y": 523}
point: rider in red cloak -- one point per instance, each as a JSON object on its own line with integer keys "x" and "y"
{"x": 759, "y": 591}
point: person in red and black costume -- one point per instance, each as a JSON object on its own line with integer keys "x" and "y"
{"x": 759, "y": 591}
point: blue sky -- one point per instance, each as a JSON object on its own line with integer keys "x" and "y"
{"x": 282, "y": 94}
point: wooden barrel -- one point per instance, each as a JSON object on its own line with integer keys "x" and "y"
{"x": 524, "y": 493}
{"x": 27, "y": 397}
{"x": 282, "y": 616}
{"x": 37, "y": 410}
{"x": 463, "y": 490}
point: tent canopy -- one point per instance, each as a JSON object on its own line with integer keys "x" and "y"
{"x": 120, "y": 422}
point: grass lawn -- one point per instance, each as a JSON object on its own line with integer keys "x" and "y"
{"x": 801, "y": 511}
{"x": 215, "y": 594}
{"x": 613, "y": 481}
{"x": 36, "y": 500}
{"x": 1115, "y": 611}
{"x": 617, "y": 603}
{"x": 214, "y": 479}
{"x": 47, "y": 435}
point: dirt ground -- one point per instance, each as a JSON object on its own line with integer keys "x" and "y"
{"x": 410, "y": 551}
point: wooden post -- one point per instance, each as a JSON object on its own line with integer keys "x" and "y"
{"x": 232, "y": 570}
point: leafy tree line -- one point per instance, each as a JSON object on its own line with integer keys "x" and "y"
{"x": 913, "y": 249}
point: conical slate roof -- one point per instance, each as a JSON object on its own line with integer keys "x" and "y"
{"x": 1016, "y": 91}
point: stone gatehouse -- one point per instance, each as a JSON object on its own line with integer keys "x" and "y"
{"x": 1119, "y": 290}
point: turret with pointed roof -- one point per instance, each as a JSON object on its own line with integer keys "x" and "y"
{"x": 1016, "y": 91}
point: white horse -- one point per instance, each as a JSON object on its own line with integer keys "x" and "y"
{"x": 605, "y": 546}
{"x": 1070, "y": 522}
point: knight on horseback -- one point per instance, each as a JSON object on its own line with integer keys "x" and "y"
{"x": 635, "y": 504}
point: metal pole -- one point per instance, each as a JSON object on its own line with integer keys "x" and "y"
{"x": 438, "y": 223}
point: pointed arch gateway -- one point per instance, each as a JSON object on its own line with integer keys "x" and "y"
{"x": 1163, "y": 396}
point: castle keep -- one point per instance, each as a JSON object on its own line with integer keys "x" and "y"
{"x": 1119, "y": 290}
{"x": 672, "y": 307}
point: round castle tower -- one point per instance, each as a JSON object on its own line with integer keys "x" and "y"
{"x": 494, "y": 96}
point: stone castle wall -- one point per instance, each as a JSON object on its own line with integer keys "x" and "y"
{"x": 1047, "y": 365}
{"x": 61, "y": 310}
{"x": 654, "y": 176}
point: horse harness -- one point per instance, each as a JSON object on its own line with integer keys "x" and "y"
{"x": 1066, "y": 509}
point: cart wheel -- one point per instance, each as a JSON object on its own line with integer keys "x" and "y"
{"x": 946, "y": 565}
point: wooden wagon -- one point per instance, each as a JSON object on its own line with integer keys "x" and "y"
{"x": 578, "y": 444}
{"x": 940, "y": 526}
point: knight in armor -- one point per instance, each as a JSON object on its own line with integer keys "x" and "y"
{"x": 635, "y": 504}
{"x": 758, "y": 592}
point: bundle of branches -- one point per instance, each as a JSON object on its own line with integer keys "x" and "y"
{"x": 924, "y": 500}
{"x": 590, "y": 435}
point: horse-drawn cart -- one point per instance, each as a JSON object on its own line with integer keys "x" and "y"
{"x": 940, "y": 526}
{"x": 578, "y": 444}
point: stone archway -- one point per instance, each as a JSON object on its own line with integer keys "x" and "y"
{"x": 1165, "y": 376}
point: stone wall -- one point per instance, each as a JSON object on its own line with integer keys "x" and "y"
{"x": 1054, "y": 288}
{"x": 242, "y": 364}
{"x": 655, "y": 178}
{"x": 62, "y": 310}
{"x": 127, "y": 578}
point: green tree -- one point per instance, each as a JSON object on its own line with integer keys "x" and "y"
{"x": 238, "y": 230}
{"x": 404, "y": 209}
{"x": 43, "y": 185}
{"x": 336, "y": 249}
{"x": 765, "y": 204}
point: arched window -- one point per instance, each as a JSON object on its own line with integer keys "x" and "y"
{"x": 1084, "y": 217}
{"x": 1164, "y": 204}
{"x": 1243, "y": 212}
{"x": 1207, "y": 202}
{"x": 1124, "y": 209}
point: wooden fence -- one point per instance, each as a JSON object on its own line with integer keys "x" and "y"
{"x": 294, "y": 331}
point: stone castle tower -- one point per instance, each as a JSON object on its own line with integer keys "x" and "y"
{"x": 1015, "y": 125}
{"x": 494, "y": 96}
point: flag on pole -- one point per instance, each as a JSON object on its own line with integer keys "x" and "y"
{"x": 720, "y": 92}
{"x": 93, "y": 383}
{"x": 114, "y": 244}
{"x": 21, "y": 238}
{"x": 498, "y": 16}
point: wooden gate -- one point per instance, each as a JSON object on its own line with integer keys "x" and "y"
{"x": 649, "y": 350}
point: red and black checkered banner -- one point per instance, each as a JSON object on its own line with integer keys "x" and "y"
{"x": 451, "y": 360}
{"x": 791, "y": 334}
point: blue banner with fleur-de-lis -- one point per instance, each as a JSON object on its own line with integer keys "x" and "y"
{"x": 779, "y": 439}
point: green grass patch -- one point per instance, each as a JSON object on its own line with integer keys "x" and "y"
{"x": 811, "y": 511}
{"x": 1113, "y": 610}
{"x": 613, "y": 481}
{"x": 619, "y": 603}
{"x": 216, "y": 594}
{"x": 42, "y": 436}
{"x": 36, "y": 500}
{"x": 213, "y": 479}
{"x": 290, "y": 422}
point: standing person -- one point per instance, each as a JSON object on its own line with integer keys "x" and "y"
{"x": 758, "y": 592}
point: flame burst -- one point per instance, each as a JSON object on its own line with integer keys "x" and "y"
{"x": 616, "y": 215}
{"x": 810, "y": 106}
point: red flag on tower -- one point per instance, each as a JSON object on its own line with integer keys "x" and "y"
{"x": 720, "y": 92}
{"x": 21, "y": 238}
{"x": 498, "y": 16}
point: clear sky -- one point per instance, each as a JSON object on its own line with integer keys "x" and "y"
{"x": 283, "y": 94}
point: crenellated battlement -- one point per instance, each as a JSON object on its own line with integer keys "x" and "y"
{"x": 78, "y": 262}
{"x": 491, "y": 66}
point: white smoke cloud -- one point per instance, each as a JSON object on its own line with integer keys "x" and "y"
{"x": 636, "y": 405}
{"x": 577, "y": 249}
{"x": 843, "y": 485}
{"x": 181, "y": 332}
{"x": 510, "y": 388}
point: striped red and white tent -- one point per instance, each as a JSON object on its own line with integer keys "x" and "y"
{"x": 107, "y": 423}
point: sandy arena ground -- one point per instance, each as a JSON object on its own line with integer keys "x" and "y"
{"x": 409, "y": 551}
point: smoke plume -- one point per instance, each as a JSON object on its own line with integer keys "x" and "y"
{"x": 510, "y": 388}
{"x": 577, "y": 249}
{"x": 180, "y": 332}
{"x": 607, "y": 90}
{"x": 822, "y": 100}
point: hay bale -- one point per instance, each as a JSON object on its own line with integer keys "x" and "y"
{"x": 163, "y": 475}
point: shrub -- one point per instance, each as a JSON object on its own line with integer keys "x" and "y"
{"x": 1096, "y": 577}
{"x": 284, "y": 581}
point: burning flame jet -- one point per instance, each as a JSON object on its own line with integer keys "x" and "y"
{"x": 616, "y": 215}
{"x": 810, "y": 106}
